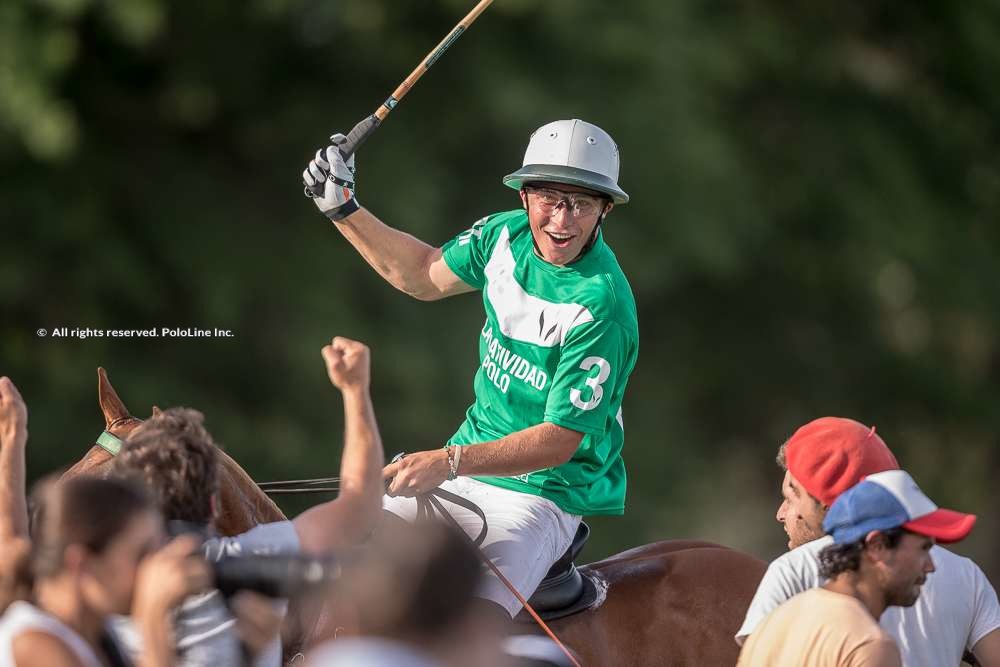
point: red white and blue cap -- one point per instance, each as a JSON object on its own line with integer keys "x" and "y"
{"x": 888, "y": 500}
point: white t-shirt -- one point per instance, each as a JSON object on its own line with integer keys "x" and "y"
{"x": 204, "y": 627}
{"x": 957, "y": 605}
{"x": 22, "y": 617}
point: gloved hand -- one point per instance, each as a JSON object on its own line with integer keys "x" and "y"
{"x": 329, "y": 171}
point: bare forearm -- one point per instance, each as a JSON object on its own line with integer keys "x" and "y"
{"x": 535, "y": 448}
{"x": 363, "y": 458}
{"x": 350, "y": 518}
{"x": 400, "y": 258}
{"x": 13, "y": 505}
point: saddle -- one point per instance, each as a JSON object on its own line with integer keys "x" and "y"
{"x": 564, "y": 590}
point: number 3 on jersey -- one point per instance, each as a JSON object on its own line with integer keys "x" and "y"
{"x": 594, "y": 383}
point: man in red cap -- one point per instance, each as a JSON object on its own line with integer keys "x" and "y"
{"x": 882, "y": 530}
{"x": 958, "y": 610}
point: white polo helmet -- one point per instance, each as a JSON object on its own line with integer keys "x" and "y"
{"x": 574, "y": 152}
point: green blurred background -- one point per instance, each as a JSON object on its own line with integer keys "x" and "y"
{"x": 813, "y": 226}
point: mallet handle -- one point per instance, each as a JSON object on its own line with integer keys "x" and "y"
{"x": 367, "y": 127}
{"x": 431, "y": 58}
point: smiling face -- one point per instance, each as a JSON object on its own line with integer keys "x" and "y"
{"x": 800, "y": 514}
{"x": 561, "y": 230}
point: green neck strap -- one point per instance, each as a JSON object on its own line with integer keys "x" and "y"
{"x": 109, "y": 443}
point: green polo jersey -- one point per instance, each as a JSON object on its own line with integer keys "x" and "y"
{"x": 558, "y": 346}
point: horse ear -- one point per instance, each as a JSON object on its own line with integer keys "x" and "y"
{"x": 157, "y": 411}
{"x": 107, "y": 397}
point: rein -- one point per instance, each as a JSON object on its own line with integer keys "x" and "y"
{"x": 112, "y": 444}
{"x": 428, "y": 502}
{"x": 318, "y": 485}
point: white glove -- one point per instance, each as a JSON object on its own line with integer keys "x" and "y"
{"x": 329, "y": 171}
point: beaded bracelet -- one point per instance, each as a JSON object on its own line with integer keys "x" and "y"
{"x": 454, "y": 454}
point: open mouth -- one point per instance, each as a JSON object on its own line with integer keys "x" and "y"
{"x": 560, "y": 240}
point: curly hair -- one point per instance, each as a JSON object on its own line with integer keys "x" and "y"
{"x": 781, "y": 459}
{"x": 837, "y": 558}
{"x": 174, "y": 456}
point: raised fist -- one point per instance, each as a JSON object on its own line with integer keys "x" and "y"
{"x": 347, "y": 363}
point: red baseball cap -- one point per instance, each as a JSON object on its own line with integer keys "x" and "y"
{"x": 829, "y": 455}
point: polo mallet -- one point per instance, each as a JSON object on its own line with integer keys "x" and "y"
{"x": 366, "y": 127}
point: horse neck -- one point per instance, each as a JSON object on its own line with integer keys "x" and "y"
{"x": 94, "y": 462}
{"x": 242, "y": 504}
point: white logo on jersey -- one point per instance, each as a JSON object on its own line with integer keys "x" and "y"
{"x": 522, "y": 316}
{"x": 476, "y": 230}
{"x": 499, "y": 364}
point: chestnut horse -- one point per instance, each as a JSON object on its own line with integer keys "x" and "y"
{"x": 676, "y": 602}
{"x": 241, "y": 504}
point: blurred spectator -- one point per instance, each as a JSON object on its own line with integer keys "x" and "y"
{"x": 407, "y": 601}
{"x": 175, "y": 456}
{"x": 88, "y": 560}
{"x": 96, "y": 552}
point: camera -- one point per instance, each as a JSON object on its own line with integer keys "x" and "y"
{"x": 274, "y": 576}
{"x": 277, "y": 576}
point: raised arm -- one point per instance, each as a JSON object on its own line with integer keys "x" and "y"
{"x": 350, "y": 517}
{"x": 13, "y": 438}
{"x": 406, "y": 262}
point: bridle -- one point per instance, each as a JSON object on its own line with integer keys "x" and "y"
{"x": 112, "y": 444}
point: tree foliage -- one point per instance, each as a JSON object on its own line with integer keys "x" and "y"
{"x": 812, "y": 228}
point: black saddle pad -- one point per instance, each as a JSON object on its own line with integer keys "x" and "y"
{"x": 593, "y": 593}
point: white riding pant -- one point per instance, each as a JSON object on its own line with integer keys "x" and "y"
{"x": 526, "y": 534}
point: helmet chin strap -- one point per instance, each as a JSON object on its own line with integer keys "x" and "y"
{"x": 593, "y": 238}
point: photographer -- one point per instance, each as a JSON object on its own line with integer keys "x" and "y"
{"x": 96, "y": 552}
{"x": 176, "y": 457}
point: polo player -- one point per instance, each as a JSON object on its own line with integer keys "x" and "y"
{"x": 541, "y": 445}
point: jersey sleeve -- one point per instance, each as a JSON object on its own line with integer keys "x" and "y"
{"x": 594, "y": 362}
{"x": 466, "y": 254}
{"x": 781, "y": 582}
{"x": 986, "y": 609}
